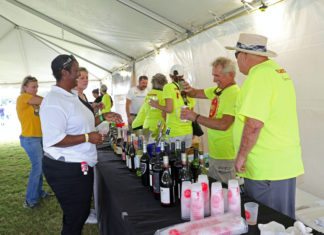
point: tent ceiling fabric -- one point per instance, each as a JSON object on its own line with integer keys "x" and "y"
{"x": 104, "y": 35}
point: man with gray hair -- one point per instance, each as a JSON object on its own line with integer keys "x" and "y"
{"x": 265, "y": 131}
{"x": 220, "y": 120}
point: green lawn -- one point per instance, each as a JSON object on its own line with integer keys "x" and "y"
{"x": 14, "y": 219}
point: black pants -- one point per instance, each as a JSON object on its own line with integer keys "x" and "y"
{"x": 73, "y": 191}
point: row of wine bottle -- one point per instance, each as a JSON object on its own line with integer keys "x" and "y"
{"x": 165, "y": 168}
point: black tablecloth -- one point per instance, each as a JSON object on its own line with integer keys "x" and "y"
{"x": 126, "y": 207}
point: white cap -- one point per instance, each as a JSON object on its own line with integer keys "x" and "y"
{"x": 216, "y": 186}
{"x": 203, "y": 178}
{"x": 233, "y": 183}
{"x": 177, "y": 70}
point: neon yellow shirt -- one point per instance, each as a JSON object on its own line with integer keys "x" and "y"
{"x": 107, "y": 102}
{"x": 220, "y": 143}
{"x": 28, "y": 116}
{"x": 173, "y": 121}
{"x": 147, "y": 116}
{"x": 268, "y": 95}
{"x": 153, "y": 115}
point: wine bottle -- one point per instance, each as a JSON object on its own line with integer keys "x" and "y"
{"x": 202, "y": 168}
{"x": 127, "y": 149}
{"x": 184, "y": 174}
{"x": 157, "y": 173}
{"x": 195, "y": 166}
{"x": 145, "y": 160}
{"x": 166, "y": 185}
{"x": 132, "y": 153}
{"x": 151, "y": 165}
{"x": 138, "y": 156}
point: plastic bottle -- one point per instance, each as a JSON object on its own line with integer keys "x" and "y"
{"x": 234, "y": 197}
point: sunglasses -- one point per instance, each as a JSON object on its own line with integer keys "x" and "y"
{"x": 237, "y": 53}
{"x": 68, "y": 62}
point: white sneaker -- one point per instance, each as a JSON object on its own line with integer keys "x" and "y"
{"x": 92, "y": 218}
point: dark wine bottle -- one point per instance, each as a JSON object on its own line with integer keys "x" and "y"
{"x": 195, "y": 166}
{"x": 132, "y": 153}
{"x": 151, "y": 165}
{"x": 145, "y": 160}
{"x": 184, "y": 174}
{"x": 166, "y": 185}
{"x": 157, "y": 173}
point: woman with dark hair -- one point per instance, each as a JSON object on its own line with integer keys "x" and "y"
{"x": 31, "y": 138}
{"x": 70, "y": 140}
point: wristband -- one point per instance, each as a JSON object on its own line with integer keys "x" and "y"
{"x": 197, "y": 116}
{"x": 101, "y": 118}
{"x": 86, "y": 136}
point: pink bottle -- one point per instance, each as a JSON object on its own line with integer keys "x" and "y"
{"x": 217, "y": 199}
{"x": 234, "y": 197}
{"x": 203, "y": 179}
{"x": 197, "y": 202}
{"x": 185, "y": 200}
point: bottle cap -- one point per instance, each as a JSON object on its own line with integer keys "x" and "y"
{"x": 233, "y": 183}
{"x": 216, "y": 186}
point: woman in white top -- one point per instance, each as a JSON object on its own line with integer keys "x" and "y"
{"x": 69, "y": 140}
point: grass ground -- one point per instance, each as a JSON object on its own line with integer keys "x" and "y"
{"x": 14, "y": 219}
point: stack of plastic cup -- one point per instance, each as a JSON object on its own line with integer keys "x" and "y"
{"x": 234, "y": 197}
{"x": 197, "y": 202}
{"x": 217, "y": 199}
{"x": 203, "y": 179}
{"x": 185, "y": 200}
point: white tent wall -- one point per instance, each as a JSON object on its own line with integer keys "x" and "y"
{"x": 295, "y": 30}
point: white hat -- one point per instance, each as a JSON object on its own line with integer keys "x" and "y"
{"x": 177, "y": 70}
{"x": 252, "y": 44}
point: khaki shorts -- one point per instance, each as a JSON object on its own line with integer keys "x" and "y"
{"x": 221, "y": 170}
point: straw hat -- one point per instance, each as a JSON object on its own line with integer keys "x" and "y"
{"x": 253, "y": 44}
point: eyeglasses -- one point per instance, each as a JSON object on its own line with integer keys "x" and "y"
{"x": 237, "y": 53}
{"x": 68, "y": 61}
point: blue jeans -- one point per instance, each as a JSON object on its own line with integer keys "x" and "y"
{"x": 34, "y": 149}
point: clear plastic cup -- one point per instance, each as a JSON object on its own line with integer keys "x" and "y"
{"x": 251, "y": 212}
{"x": 155, "y": 98}
{"x": 182, "y": 108}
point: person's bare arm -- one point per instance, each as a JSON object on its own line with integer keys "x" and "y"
{"x": 192, "y": 92}
{"x": 168, "y": 108}
{"x": 35, "y": 100}
{"x": 250, "y": 136}
{"x": 221, "y": 124}
{"x": 71, "y": 140}
{"x": 128, "y": 103}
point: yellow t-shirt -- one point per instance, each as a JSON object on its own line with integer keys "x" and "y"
{"x": 268, "y": 95}
{"x": 173, "y": 121}
{"x": 107, "y": 102}
{"x": 28, "y": 116}
{"x": 147, "y": 116}
{"x": 153, "y": 116}
{"x": 220, "y": 143}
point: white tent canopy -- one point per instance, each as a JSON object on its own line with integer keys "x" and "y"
{"x": 104, "y": 35}
{"x": 151, "y": 36}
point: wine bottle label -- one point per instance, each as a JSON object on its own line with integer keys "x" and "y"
{"x": 127, "y": 159}
{"x": 137, "y": 161}
{"x": 165, "y": 195}
{"x": 156, "y": 182}
{"x": 151, "y": 180}
{"x": 143, "y": 167}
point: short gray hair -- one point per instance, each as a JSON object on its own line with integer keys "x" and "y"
{"x": 158, "y": 81}
{"x": 227, "y": 64}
